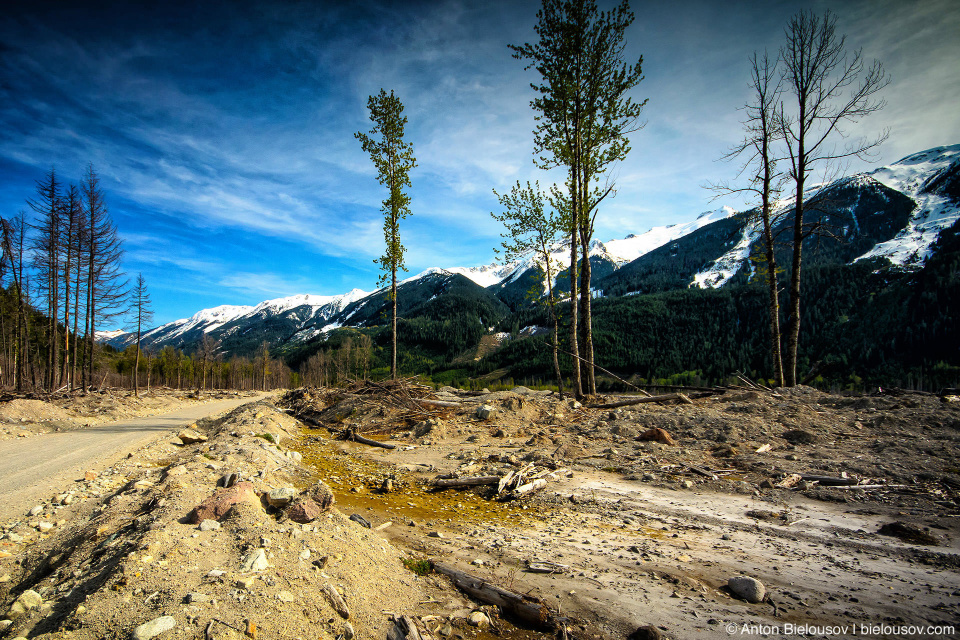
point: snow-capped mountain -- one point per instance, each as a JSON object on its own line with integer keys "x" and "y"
{"x": 895, "y": 212}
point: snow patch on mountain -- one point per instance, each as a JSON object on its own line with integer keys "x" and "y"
{"x": 727, "y": 265}
{"x": 634, "y": 246}
{"x": 932, "y": 214}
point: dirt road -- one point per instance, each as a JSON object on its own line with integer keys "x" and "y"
{"x": 31, "y": 469}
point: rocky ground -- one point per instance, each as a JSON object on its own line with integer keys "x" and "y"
{"x": 25, "y": 415}
{"x": 645, "y": 514}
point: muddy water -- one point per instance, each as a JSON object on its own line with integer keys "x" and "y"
{"x": 357, "y": 483}
{"x": 357, "y": 480}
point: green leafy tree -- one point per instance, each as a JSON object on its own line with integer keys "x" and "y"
{"x": 830, "y": 89}
{"x": 532, "y": 229}
{"x": 393, "y": 158}
{"x": 584, "y": 118}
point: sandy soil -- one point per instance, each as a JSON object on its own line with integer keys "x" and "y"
{"x": 637, "y": 536}
{"x": 25, "y": 416}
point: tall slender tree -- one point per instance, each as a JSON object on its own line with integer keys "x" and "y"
{"x": 584, "y": 118}
{"x": 48, "y": 207}
{"x": 393, "y": 158}
{"x": 760, "y": 163}
{"x": 14, "y": 246}
{"x": 830, "y": 89}
{"x": 533, "y": 230}
{"x": 141, "y": 314}
{"x": 105, "y": 286}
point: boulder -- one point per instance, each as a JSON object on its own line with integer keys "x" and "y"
{"x": 256, "y": 560}
{"x": 485, "y": 411}
{"x": 657, "y": 435}
{"x": 217, "y": 505}
{"x": 281, "y": 497}
{"x": 28, "y": 601}
{"x": 747, "y": 588}
{"x": 189, "y": 436}
{"x": 153, "y": 628}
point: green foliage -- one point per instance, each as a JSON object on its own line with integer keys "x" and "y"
{"x": 393, "y": 159}
{"x": 420, "y": 566}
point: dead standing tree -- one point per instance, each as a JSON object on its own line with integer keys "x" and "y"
{"x": 830, "y": 89}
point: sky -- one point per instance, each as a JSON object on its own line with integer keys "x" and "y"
{"x": 223, "y": 131}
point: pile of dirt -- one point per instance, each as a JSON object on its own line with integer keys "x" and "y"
{"x": 26, "y": 415}
{"x": 120, "y": 550}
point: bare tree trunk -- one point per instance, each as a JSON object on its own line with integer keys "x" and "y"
{"x": 393, "y": 329}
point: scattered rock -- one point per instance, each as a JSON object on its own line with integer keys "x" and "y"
{"x": 647, "y": 632}
{"x": 245, "y": 583}
{"x": 281, "y": 497}
{"x": 195, "y": 597}
{"x": 657, "y": 435}
{"x": 217, "y": 505}
{"x": 799, "y": 436}
{"x": 28, "y": 601}
{"x": 37, "y": 510}
{"x": 908, "y": 533}
{"x": 479, "y": 619}
{"x": 89, "y": 476}
{"x": 153, "y": 628}
{"x": 256, "y": 560}
{"x": 435, "y": 534}
{"x": 747, "y": 588}
{"x": 485, "y": 411}
{"x": 209, "y": 525}
{"x": 189, "y": 436}
{"x": 687, "y": 484}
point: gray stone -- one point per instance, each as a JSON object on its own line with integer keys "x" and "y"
{"x": 747, "y": 588}
{"x": 348, "y": 632}
{"x": 153, "y": 628}
{"x": 281, "y": 497}
{"x": 256, "y": 560}
{"x": 485, "y": 411}
{"x": 28, "y": 601}
{"x": 479, "y": 619}
{"x": 209, "y": 525}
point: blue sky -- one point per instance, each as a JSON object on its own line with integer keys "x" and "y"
{"x": 223, "y": 133}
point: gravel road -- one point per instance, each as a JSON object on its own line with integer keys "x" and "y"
{"x": 33, "y": 469}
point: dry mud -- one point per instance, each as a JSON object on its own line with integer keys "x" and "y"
{"x": 637, "y": 537}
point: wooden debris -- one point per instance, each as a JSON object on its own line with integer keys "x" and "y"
{"x": 545, "y": 566}
{"x": 527, "y": 608}
{"x": 336, "y": 601}
{"x": 701, "y": 471}
{"x": 764, "y": 448}
{"x": 829, "y": 481}
{"x": 679, "y": 397}
{"x": 790, "y": 481}
{"x": 351, "y": 434}
{"x": 438, "y": 403}
{"x": 474, "y": 481}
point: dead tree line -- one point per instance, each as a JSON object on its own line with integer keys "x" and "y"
{"x": 61, "y": 264}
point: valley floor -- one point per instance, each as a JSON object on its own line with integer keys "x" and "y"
{"x": 636, "y": 532}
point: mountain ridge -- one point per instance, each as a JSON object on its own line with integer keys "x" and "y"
{"x": 894, "y": 212}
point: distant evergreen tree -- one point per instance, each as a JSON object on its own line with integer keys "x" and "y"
{"x": 142, "y": 315}
{"x": 393, "y": 159}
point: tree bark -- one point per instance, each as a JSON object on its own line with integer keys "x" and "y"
{"x": 526, "y": 608}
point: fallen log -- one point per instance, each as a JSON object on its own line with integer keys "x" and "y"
{"x": 356, "y": 437}
{"x": 700, "y": 471}
{"x": 828, "y": 481}
{"x": 336, "y": 601}
{"x": 474, "y": 481}
{"x": 530, "y": 487}
{"x": 526, "y": 608}
{"x": 438, "y": 403}
{"x": 679, "y": 397}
